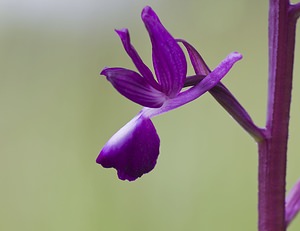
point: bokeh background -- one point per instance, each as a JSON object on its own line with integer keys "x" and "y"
{"x": 57, "y": 113}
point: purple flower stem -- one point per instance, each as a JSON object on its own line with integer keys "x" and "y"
{"x": 224, "y": 97}
{"x": 295, "y": 10}
{"x": 273, "y": 149}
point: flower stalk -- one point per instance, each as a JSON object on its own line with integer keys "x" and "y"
{"x": 273, "y": 149}
{"x": 222, "y": 95}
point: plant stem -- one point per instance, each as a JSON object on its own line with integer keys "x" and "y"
{"x": 273, "y": 149}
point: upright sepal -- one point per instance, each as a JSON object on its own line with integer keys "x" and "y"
{"x": 133, "y": 150}
{"x": 168, "y": 58}
{"x": 136, "y": 59}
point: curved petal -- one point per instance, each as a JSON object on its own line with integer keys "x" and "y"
{"x": 168, "y": 58}
{"x": 195, "y": 92}
{"x": 133, "y": 150}
{"x": 197, "y": 61}
{"x": 222, "y": 94}
{"x": 136, "y": 59}
{"x": 134, "y": 87}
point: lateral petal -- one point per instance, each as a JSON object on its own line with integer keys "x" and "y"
{"x": 134, "y": 87}
{"x": 133, "y": 150}
{"x": 136, "y": 59}
{"x": 168, "y": 58}
{"x": 197, "y": 61}
{"x": 196, "y": 91}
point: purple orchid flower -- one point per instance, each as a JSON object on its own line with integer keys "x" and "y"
{"x": 134, "y": 149}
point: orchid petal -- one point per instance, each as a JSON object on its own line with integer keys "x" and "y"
{"x": 136, "y": 59}
{"x": 134, "y": 87}
{"x": 195, "y": 92}
{"x": 168, "y": 58}
{"x": 133, "y": 150}
{"x": 198, "y": 62}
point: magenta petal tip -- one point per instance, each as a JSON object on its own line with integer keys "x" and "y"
{"x": 148, "y": 12}
{"x": 122, "y": 32}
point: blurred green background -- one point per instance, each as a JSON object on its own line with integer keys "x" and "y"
{"x": 57, "y": 113}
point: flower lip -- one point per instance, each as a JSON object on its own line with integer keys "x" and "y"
{"x": 133, "y": 150}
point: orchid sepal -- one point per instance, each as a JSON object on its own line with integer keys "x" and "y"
{"x": 134, "y": 87}
{"x": 168, "y": 58}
